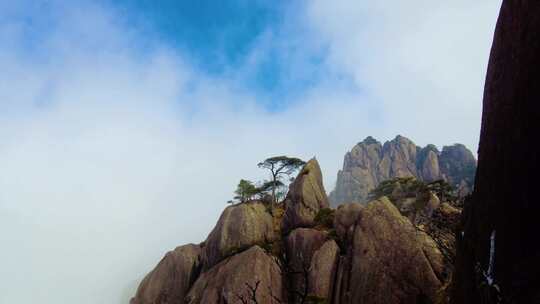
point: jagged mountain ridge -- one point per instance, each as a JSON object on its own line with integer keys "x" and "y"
{"x": 370, "y": 162}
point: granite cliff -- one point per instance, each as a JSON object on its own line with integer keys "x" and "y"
{"x": 303, "y": 251}
{"x": 370, "y": 162}
{"x": 498, "y": 257}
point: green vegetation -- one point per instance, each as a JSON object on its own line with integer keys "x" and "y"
{"x": 279, "y": 167}
{"x": 398, "y": 188}
{"x": 325, "y": 218}
{"x": 443, "y": 190}
{"x": 270, "y": 191}
{"x": 245, "y": 191}
{"x": 405, "y": 187}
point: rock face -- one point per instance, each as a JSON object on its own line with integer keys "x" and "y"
{"x": 227, "y": 280}
{"x": 391, "y": 261}
{"x": 301, "y": 245}
{"x": 370, "y": 162}
{"x": 239, "y": 227}
{"x": 323, "y": 269}
{"x": 170, "y": 281}
{"x": 305, "y": 198}
{"x": 428, "y": 164}
{"x": 458, "y": 167}
{"x": 498, "y": 255}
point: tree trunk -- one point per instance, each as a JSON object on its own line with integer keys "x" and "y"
{"x": 500, "y": 223}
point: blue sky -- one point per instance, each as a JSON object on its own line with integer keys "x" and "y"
{"x": 217, "y": 37}
{"x": 215, "y": 34}
{"x": 117, "y": 117}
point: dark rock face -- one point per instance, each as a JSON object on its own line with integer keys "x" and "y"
{"x": 498, "y": 258}
{"x": 305, "y": 198}
{"x": 458, "y": 166}
{"x": 170, "y": 281}
{"x": 370, "y": 162}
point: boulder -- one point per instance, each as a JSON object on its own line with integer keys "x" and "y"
{"x": 345, "y": 218}
{"x": 301, "y": 245}
{"x": 239, "y": 227}
{"x": 227, "y": 280}
{"x": 305, "y": 198}
{"x": 170, "y": 281}
{"x": 323, "y": 269}
{"x": 392, "y": 261}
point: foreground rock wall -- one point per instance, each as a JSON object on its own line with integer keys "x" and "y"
{"x": 498, "y": 257}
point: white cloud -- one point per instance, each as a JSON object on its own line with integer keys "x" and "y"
{"x": 111, "y": 156}
{"x": 422, "y": 62}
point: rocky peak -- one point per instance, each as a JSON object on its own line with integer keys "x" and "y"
{"x": 370, "y": 141}
{"x": 370, "y": 162}
{"x": 305, "y": 198}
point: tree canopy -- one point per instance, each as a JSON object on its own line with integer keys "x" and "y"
{"x": 280, "y": 166}
{"x": 411, "y": 187}
{"x": 273, "y": 189}
{"x": 245, "y": 191}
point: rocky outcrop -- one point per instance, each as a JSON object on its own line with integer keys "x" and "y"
{"x": 239, "y": 227}
{"x": 498, "y": 255}
{"x": 370, "y": 162}
{"x": 356, "y": 254}
{"x": 322, "y": 270}
{"x": 392, "y": 261}
{"x": 305, "y": 198}
{"x": 170, "y": 281}
{"x": 227, "y": 280}
{"x": 301, "y": 245}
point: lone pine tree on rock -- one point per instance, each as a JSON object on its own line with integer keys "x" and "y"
{"x": 280, "y": 166}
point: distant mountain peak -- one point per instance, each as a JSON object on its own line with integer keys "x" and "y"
{"x": 369, "y": 163}
{"x": 369, "y": 141}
